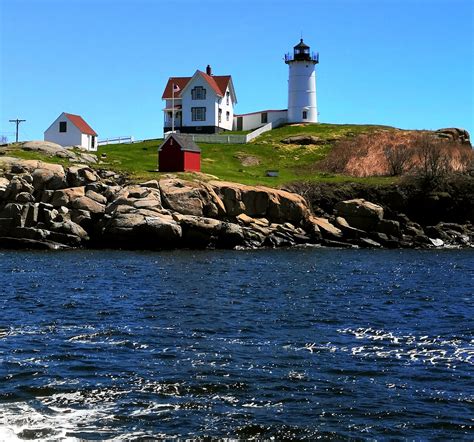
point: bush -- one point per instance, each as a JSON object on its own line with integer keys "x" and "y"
{"x": 398, "y": 158}
{"x": 433, "y": 162}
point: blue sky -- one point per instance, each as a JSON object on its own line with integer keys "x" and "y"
{"x": 405, "y": 63}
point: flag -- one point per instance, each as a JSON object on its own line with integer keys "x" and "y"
{"x": 176, "y": 88}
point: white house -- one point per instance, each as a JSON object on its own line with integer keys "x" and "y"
{"x": 71, "y": 130}
{"x": 203, "y": 103}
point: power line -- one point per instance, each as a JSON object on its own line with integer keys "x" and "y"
{"x": 17, "y": 121}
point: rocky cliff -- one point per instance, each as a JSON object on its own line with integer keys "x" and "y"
{"x": 46, "y": 206}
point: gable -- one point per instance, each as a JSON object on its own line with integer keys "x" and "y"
{"x": 76, "y": 121}
{"x": 218, "y": 84}
{"x": 183, "y": 143}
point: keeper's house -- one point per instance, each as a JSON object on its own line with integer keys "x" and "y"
{"x": 71, "y": 130}
{"x": 179, "y": 154}
{"x": 203, "y": 103}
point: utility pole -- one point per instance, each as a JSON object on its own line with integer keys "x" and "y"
{"x": 17, "y": 121}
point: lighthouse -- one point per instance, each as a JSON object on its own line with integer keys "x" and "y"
{"x": 302, "y": 106}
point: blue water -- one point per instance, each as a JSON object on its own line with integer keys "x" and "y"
{"x": 297, "y": 343}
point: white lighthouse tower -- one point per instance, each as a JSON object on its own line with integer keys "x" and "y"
{"x": 302, "y": 106}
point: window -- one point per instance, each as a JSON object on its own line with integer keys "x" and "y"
{"x": 198, "y": 114}
{"x": 220, "y": 115}
{"x": 305, "y": 115}
{"x": 63, "y": 126}
{"x": 227, "y": 116}
{"x": 198, "y": 93}
{"x": 227, "y": 95}
{"x": 264, "y": 118}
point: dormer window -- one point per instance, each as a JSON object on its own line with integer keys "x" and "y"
{"x": 198, "y": 93}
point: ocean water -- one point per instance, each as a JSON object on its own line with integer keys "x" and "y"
{"x": 298, "y": 343}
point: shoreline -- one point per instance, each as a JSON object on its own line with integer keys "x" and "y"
{"x": 46, "y": 206}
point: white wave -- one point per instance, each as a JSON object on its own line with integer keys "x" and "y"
{"x": 428, "y": 349}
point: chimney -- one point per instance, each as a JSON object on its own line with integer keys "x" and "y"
{"x": 208, "y": 70}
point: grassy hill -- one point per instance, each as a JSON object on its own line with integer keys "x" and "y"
{"x": 248, "y": 163}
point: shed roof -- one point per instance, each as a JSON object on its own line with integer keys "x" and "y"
{"x": 185, "y": 143}
{"x": 79, "y": 122}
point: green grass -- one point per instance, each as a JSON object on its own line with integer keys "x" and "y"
{"x": 243, "y": 163}
{"x": 225, "y": 161}
{"x": 139, "y": 160}
{"x": 17, "y": 152}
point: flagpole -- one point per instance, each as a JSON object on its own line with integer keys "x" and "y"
{"x": 172, "y": 111}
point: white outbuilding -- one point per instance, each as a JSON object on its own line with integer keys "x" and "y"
{"x": 72, "y": 130}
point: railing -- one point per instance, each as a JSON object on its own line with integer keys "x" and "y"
{"x": 313, "y": 57}
{"x": 116, "y": 140}
{"x": 217, "y": 138}
{"x": 266, "y": 128}
{"x": 234, "y": 139}
{"x": 169, "y": 123}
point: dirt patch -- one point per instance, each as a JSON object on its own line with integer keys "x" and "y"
{"x": 247, "y": 160}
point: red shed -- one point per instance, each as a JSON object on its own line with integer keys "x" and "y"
{"x": 179, "y": 154}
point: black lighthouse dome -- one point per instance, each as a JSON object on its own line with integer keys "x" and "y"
{"x": 301, "y": 52}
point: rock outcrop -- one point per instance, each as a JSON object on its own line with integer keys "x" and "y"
{"x": 45, "y": 206}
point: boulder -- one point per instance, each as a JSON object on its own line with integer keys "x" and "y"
{"x": 454, "y": 134}
{"x": 64, "y": 197}
{"x": 259, "y": 201}
{"x": 230, "y": 236}
{"x": 86, "y": 203}
{"x": 24, "y": 243}
{"x": 189, "y": 198}
{"x": 81, "y": 217}
{"x": 16, "y": 186}
{"x": 360, "y": 213}
{"x": 347, "y": 230}
{"x": 327, "y": 230}
{"x": 152, "y": 184}
{"x": 16, "y": 212}
{"x": 81, "y": 175}
{"x": 48, "y": 148}
{"x": 302, "y": 140}
{"x": 69, "y": 227}
{"x": 389, "y": 227}
{"x": 48, "y": 176}
{"x": 96, "y": 197}
{"x": 133, "y": 230}
{"x": 198, "y": 232}
{"x": 25, "y": 197}
{"x": 368, "y": 243}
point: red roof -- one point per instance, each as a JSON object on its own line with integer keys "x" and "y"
{"x": 218, "y": 83}
{"x": 181, "y": 82}
{"x": 78, "y": 121}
